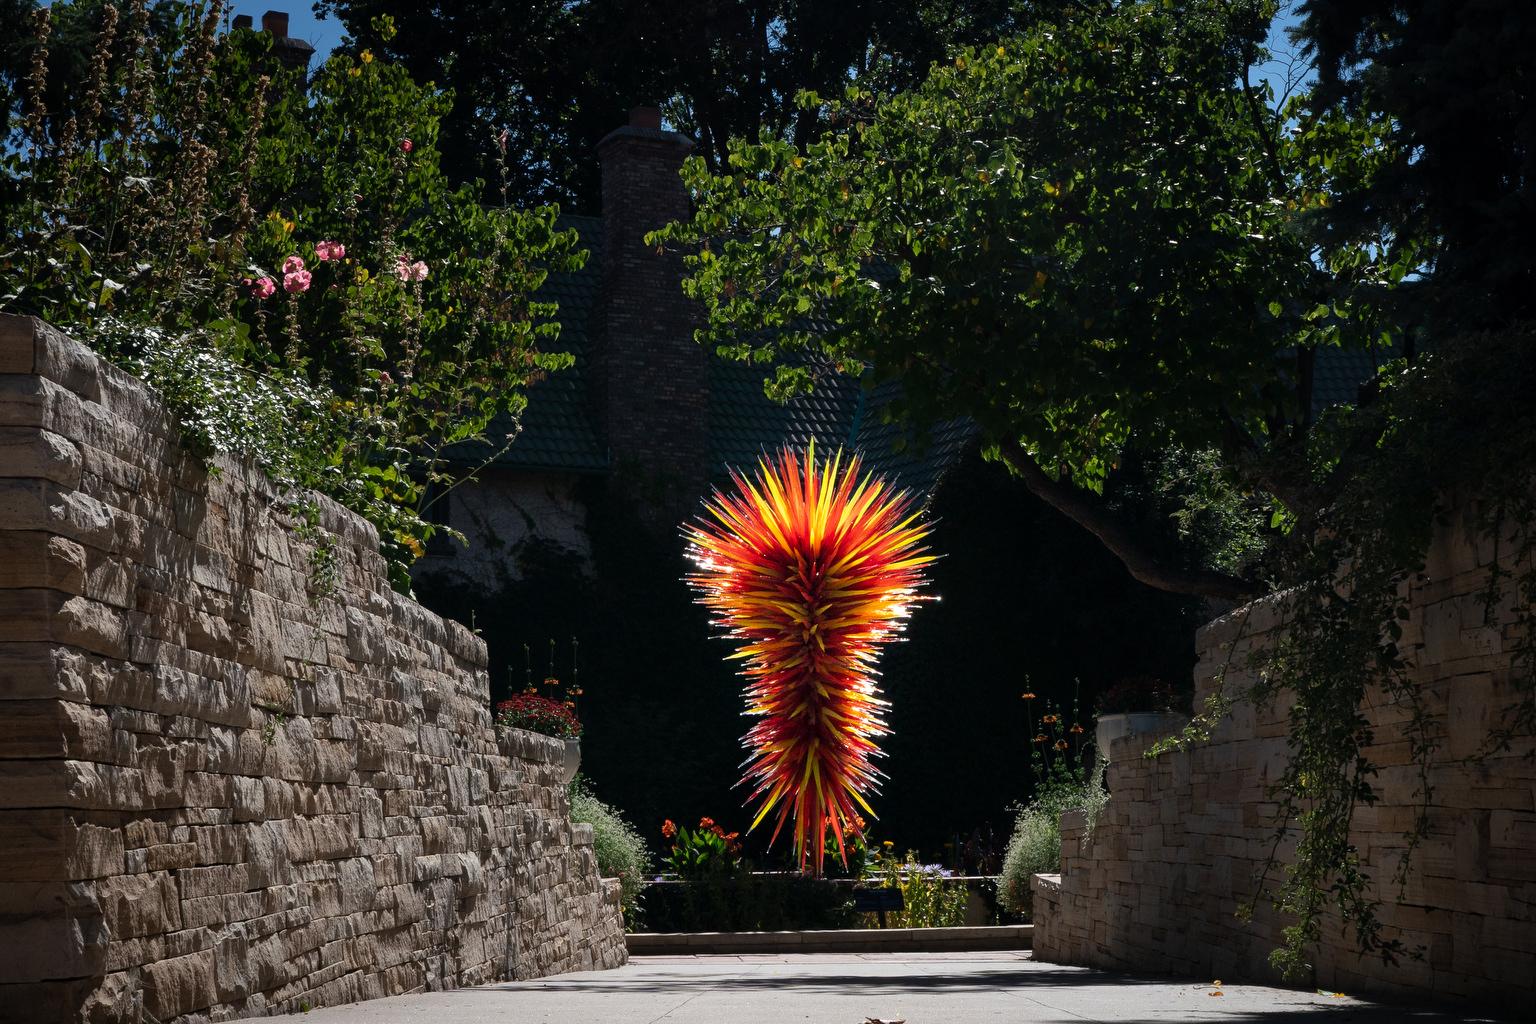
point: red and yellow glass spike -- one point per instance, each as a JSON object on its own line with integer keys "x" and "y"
{"x": 810, "y": 569}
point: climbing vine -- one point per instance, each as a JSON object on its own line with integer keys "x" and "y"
{"x": 1448, "y": 432}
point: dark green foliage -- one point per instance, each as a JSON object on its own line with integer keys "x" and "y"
{"x": 561, "y": 75}
{"x": 621, "y": 850}
{"x": 1060, "y": 261}
{"x": 1103, "y": 247}
{"x": 182, "y": 202}
{"x": 748, "y": 903}
{"x": 1455, "y": 79}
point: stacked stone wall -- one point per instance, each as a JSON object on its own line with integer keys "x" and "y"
{"x": 226, "y": 790}
{"x": 1157, "y": 884}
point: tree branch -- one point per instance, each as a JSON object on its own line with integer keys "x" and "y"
{"x": 1113, "y": 534}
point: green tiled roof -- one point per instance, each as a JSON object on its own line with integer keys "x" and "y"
{"x": 558, "y": 432}
{"x": 1337, "y": 374}
{"x": 557, "y": 429}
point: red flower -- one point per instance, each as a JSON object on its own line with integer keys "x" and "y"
{"x": 668, "y": 828}
{"x": 406, "y": 146}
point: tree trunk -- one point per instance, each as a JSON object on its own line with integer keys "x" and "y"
{"x": 1142, "y": 564}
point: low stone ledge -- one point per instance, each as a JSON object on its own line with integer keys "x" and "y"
{"x": 845, "y": 940}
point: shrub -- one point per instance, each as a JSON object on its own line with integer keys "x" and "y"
{"x": 621, "y": 852}
{"x": 1035, "y": 846}
{"x": 301, "y": 237}
{"x": 931, "y": 899}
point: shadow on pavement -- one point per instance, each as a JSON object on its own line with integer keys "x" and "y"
{"x": 1025, "y": 978}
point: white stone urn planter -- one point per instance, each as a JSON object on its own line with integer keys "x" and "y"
{"x": 572, "y": 757}
{"x": 1135, "y": 723}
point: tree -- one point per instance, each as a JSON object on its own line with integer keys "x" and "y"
{"x": 559, "y": 76}
{"x": 1453, "y": 83}
{"x": 1079, "y": 237}
{"x": 1097, "y": 238}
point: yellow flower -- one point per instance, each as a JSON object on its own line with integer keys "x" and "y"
{"x": 355, "y": 72}
{"x": 366, "y": 56}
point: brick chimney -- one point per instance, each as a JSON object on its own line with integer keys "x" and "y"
{"x": 291, "y": 53}
{"x": 649, "y": 378}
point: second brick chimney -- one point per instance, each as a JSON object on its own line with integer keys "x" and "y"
{"x": 649, "y": 378}
{"x": 292, "y": 53}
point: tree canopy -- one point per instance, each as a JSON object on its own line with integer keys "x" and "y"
{"x": 560, "y": 75}
{"x": 1453, "y": 83}
{"x": 1090, "y": 233}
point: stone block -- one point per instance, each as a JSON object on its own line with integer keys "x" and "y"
{"x": 180, "y": 985}
{"x": 40, "y": 454}
{"x": 144, "y": 904}
{"x": 55, "y": 729}
{"x": 49, "y": 844}
{"x": 51, "y": 931}
{"x": 35, "y": 559}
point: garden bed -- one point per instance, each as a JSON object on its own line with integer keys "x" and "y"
{"x": 787, "y": 902}
{"x": 844, "y": 940}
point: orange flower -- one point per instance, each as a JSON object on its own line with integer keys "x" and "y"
{"x": 1028, "y": 696}
{"x": 1061, "y": 744}
{"x": 669, "y": 828}
{"x": 1051, "y": 719}
{"x": 551, "y": 681}
{"x": 1075, "y": 728}
{"x": 706, "y": 823}
{"x": 1041, "y": 738}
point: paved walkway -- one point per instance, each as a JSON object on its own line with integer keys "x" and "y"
{"x": 931, "y": 988}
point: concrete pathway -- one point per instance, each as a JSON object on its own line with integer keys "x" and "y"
{"x": 931, "y": 988}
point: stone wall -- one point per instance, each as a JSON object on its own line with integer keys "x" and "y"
{"x": 223, "y": 793}
{"x": 1157, "y": 884}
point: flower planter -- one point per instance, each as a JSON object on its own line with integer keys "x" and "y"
{"x": 1135, "y": 723}
{"x": 572, "y": 757}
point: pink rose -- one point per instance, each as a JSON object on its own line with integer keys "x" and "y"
{"x": 262, "y": 287}
{"x": 405, "y": 146}
{"x": 327, "y": 251}
{"x": 296, "y": 281}
{"x": 293, "y": 264}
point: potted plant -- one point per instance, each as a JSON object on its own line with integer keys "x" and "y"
{"x": 547, "y": 716}
{"x": 1134, "y": 706}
